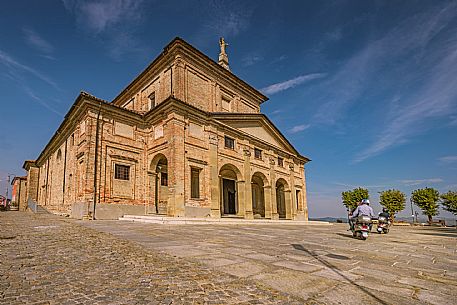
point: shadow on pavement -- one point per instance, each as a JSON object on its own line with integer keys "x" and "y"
{"x": 349, "y": 235}
{"x": 337, "y": 271}
{"x": 443, "y": 232}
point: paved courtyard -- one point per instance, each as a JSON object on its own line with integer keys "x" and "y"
{"x": 54, "y": 260}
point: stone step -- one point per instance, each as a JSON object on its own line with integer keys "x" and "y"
{"x": 223, "y": 221}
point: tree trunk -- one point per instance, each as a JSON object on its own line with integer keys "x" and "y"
{"x": 429, "y": 218}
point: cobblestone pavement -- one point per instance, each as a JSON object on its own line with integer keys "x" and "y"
{"x": 47, "y": 259}
{"x": 319, "y": 264}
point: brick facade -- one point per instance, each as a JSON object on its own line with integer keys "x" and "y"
{"x": 161, "y": 146}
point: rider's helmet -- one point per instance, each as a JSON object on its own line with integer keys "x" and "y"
{"x": 365, "y": 201}
{"x": 384, "y": 210}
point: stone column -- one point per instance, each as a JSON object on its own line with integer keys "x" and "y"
{"x": 274, "y": 205}
{"x": 214, "y": 180}
{"x": 176, "y": 178}
{"x": 248, "y": 214}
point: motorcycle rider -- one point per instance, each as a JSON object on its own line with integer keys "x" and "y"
{"x": 363, "y": 209}
{"x": 384, "y": 213}
{"x": 350, "y": 213}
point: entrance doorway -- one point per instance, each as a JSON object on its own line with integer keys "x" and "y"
{"x": 229, "y": 197}
{"x": 159, "y": 185}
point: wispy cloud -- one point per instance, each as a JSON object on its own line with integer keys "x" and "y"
{"x": 114, "y": 20}
{"x": 228, "y": 19}
{"x": 16, "y": 66}
{"x": 299, "y": 128}
{"x": 353, "y": 186}
{"x": 18, "y": 72}
{"x": 36, "y": 41}
{"x": 251, "y": 59}
{"x": 453, "y": 121}
{"x": 291, "y": 83}
{"x": 277, "y": 111}
{"x": 98, "y": 16}
{"x": 408, "y": 56}
{"x": 448, "y": 159}
{"x": 421, "y": 181}
{"x": 334, "y": 35}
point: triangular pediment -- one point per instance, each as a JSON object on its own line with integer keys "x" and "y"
{"x": 260, "y": 128}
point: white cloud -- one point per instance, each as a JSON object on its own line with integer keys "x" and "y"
{"x": 421, "y": 181}
{"x": 299, "y": 128}
{"x": 448, "y": 159}
{"x": 37, "y": 41}
{"x": 291, "y": 83}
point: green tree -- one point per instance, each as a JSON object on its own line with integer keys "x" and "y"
{"x": 393, "y": 201}
{"x": 352, "y": 198}
{"x": 427, "y": 200}
{"x": 449, "y": 202}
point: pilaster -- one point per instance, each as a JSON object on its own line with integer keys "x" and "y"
{"x": 273, "y": 203}
{"x": 248, "y": 214}
{"x": 175, "y": 134}
{"x": 214, "y": 177}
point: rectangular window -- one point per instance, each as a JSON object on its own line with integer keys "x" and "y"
{"x": 195, "y": 183}
{"x": 226, "y": 104}
{"x": 163, "y": 179}
{"x": 152, "y": 100}
{"x": 257, "y": 153}
{"x": 229, "y": 143}
{"x": 121, "y": 172}
{"x": 280, "y": 162}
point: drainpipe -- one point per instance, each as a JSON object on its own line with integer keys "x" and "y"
{"x": 64, "y": 172}
{"x": 97, "y": 131}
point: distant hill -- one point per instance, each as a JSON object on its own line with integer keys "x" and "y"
{"x": 449, "y": 221}
{"x": 329, "y": 219}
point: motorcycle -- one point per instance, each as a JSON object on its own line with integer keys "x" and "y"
{"x": 362, "y": 226}
{"x": 383, "y": 225}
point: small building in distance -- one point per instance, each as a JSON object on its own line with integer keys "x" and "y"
{"x": 19, "y": 192}
{"x": 185, "y": 138}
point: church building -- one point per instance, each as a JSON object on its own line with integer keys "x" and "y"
{"x": 185, "y": 138}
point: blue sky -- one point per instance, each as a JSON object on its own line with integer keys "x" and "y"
{"x": 366, "y": 89}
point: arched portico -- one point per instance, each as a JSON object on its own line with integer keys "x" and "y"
{"x": 230, "y": 176}
{"x": 159, "y": 184}
{"x": 258, "y": 183}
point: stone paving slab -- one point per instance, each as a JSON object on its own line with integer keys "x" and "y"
{"x": 47, "y": 259}
{"x": 319, "y": 264}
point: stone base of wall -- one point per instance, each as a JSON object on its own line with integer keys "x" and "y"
{"x": 106, "y": 211}
{"x": 197, "y": 212}
{"x": 300, "y": 217}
